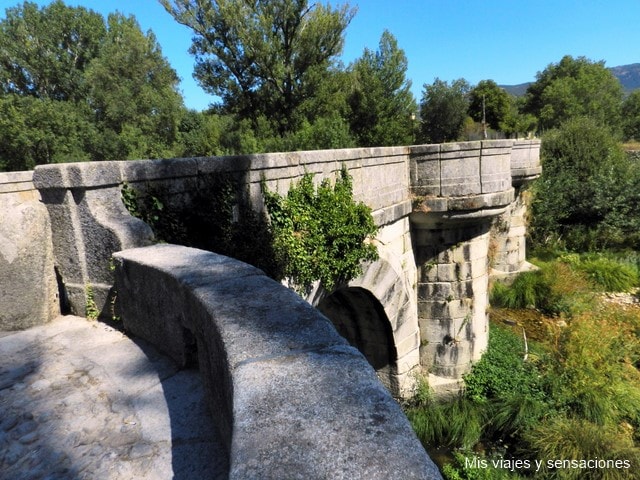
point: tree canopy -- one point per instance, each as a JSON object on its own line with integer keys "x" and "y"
{"x": 382, "y": 107}
{"x": 575, "y": 87}
{"x": 76, "y": 87}
{"x": 263, "y": 58}
{"x": 443, "y": 110}
{"x": 489, "y": 99}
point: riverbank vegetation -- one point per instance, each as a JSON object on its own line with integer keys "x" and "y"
{"x": 559, "y": 381}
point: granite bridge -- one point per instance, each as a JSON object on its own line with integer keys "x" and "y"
{"x": 449, "y": 216}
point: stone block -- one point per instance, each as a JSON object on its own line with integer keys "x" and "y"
{"x": 283, "y": 409}
{"x": 495, "y": 170}
{"x": 28, "y": 287}
{"x": 460, "y": 176}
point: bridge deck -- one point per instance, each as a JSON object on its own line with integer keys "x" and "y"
{"x": 81, "y": 400}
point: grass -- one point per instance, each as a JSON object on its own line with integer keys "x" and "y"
{"x": 576, "y": 396}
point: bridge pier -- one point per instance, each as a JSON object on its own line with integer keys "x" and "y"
{"x": 458, "y": 189}
{"x": 510, "y": 229}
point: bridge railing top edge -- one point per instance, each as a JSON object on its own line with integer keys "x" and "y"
{"x": 104, "y": 173}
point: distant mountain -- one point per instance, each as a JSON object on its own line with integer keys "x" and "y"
{"x": 629, "y": 76}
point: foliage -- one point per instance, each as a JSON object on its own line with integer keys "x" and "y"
{"x": 577, "y": 439}
{"x": 208, "y": 222}
{"x": 576, "y": 396}
{"x": 587, "y": 197}
{"x": 594, "y": 373}
{"x": 502, "y": 371}
{"x": 74, "y": 87}
{"x": 455, "y": 423}
{"x": 133, "y": 92}
{"x": 91, "y": 309}
{"x": 382, "y": 107}
{"x": 44, "y": 53}
{"x": 495, "y": 100}
{"x": 631, "y": 116}
{"x": 202, "y": 134}
{"x": 557, "y": 288}
{"x": 320, "y": 234}
{"x": 443, "y": 110}
{"x": 37, "y": 131}
{"x": 529, "y": 289}
{"x": 462, "y": 469}
{"x": 263, "y": 58}
{"x": 575, "y": 87}
{"x": 605, "y": 272}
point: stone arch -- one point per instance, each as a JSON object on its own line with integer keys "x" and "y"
{"x": 360, "y": 318}
{"x": 383, "y": 292}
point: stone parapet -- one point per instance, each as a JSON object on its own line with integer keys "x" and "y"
{"x": 459, "y": 181}
{"x": 525, "y": 161}
{"x": 28, "y": 287}
{"x": 510, "y": 228}
{"x": 289, "y": 394}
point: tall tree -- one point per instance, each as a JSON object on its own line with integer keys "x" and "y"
{"x": 133, "y": 94}
{"x": 264, "y": 57}
{"x": 572, "y": 88}
{"x": 43, "y": 53}
{"x": 488, "y": 99}
{"x": 443, "y": 110}
{"x": 74, "y": 87}
{"x": 383, "y": 109}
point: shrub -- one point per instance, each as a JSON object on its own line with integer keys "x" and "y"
{"x": 321, "y": 234}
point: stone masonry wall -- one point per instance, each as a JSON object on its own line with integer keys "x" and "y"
{"x": 28, "y": 287}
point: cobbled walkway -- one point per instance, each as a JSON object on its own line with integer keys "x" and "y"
{"x": 80, "y": 400}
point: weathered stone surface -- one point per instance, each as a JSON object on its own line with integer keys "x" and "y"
{"x": 81, "y": 400}
{"x": 315, "y": 427}
{"x": 297, "y": 399}
{"x": 28, "y": 288}
{"x": 88, "y": 224}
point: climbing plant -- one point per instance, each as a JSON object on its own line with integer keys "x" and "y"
{"x": 320, "y": 233}
{"x": 206, "y": 221}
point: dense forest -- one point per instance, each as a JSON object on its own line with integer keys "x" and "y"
{"x": 75, "y": 86}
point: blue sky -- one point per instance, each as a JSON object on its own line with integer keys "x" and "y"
{"x": 507, "y": 41}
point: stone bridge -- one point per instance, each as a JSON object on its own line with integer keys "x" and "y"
{"x": 448, "y": 216}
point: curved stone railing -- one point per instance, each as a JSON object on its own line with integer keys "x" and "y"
{"x": 525, "y": 161}
{"x": 289, "y": 395}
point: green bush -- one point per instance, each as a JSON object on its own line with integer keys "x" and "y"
{"x": 587, "y": 196}
{"x": 321, "y": 234}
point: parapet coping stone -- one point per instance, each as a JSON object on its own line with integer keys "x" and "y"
{"x": 304, "y": 404}
{"x": 106, "y": 173}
